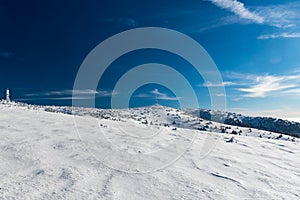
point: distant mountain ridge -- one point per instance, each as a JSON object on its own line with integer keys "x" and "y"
{"x": 263, "y": 123}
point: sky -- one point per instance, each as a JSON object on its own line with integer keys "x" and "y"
{"x": 255, "y": 45}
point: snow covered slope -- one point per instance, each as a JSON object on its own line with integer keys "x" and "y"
{"x": 43, "y": 157}
{"x": 200, "y": 119}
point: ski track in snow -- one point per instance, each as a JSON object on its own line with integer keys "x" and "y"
{"x": 42, "y": 157}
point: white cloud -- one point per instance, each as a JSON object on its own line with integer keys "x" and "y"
{"x": 163, "y": 96}
{"x": 106, "y": 93}
{"x": 239, "y": 9}
{"x": 280, "y": 35}
{"x": 62, "y": 92}
{"x": 222, "y": 84}
{"x": 67, "y": 94}
{"x": 293, "y": 91}
{"x": 281, "y": 16}
{"x": 284, "y": 16}
{"x": 262, "y": 86}
{"x": 143, "y": 95}
{"x": 66, "y": 98}
{"x": 51, "y": 98}
{"x": 157, "y": 94}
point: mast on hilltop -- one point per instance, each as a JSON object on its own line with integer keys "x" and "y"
{"x": 7, "y": 95}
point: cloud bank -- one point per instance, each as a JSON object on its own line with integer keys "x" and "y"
{"x": 259, "y": 86}
{"x": 239, "y": 9}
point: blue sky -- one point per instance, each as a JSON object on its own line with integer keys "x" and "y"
{"x": 255, "y": 45}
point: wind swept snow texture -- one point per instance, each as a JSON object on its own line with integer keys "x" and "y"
{"x": 42, "y": 157}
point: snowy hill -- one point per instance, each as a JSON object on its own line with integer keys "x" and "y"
{"x": 196, "y": 119}
{"x": 200, "y": 119}
{"x": 43, "y": 157}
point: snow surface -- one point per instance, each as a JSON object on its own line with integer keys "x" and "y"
{"x": 52, "y": 155}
